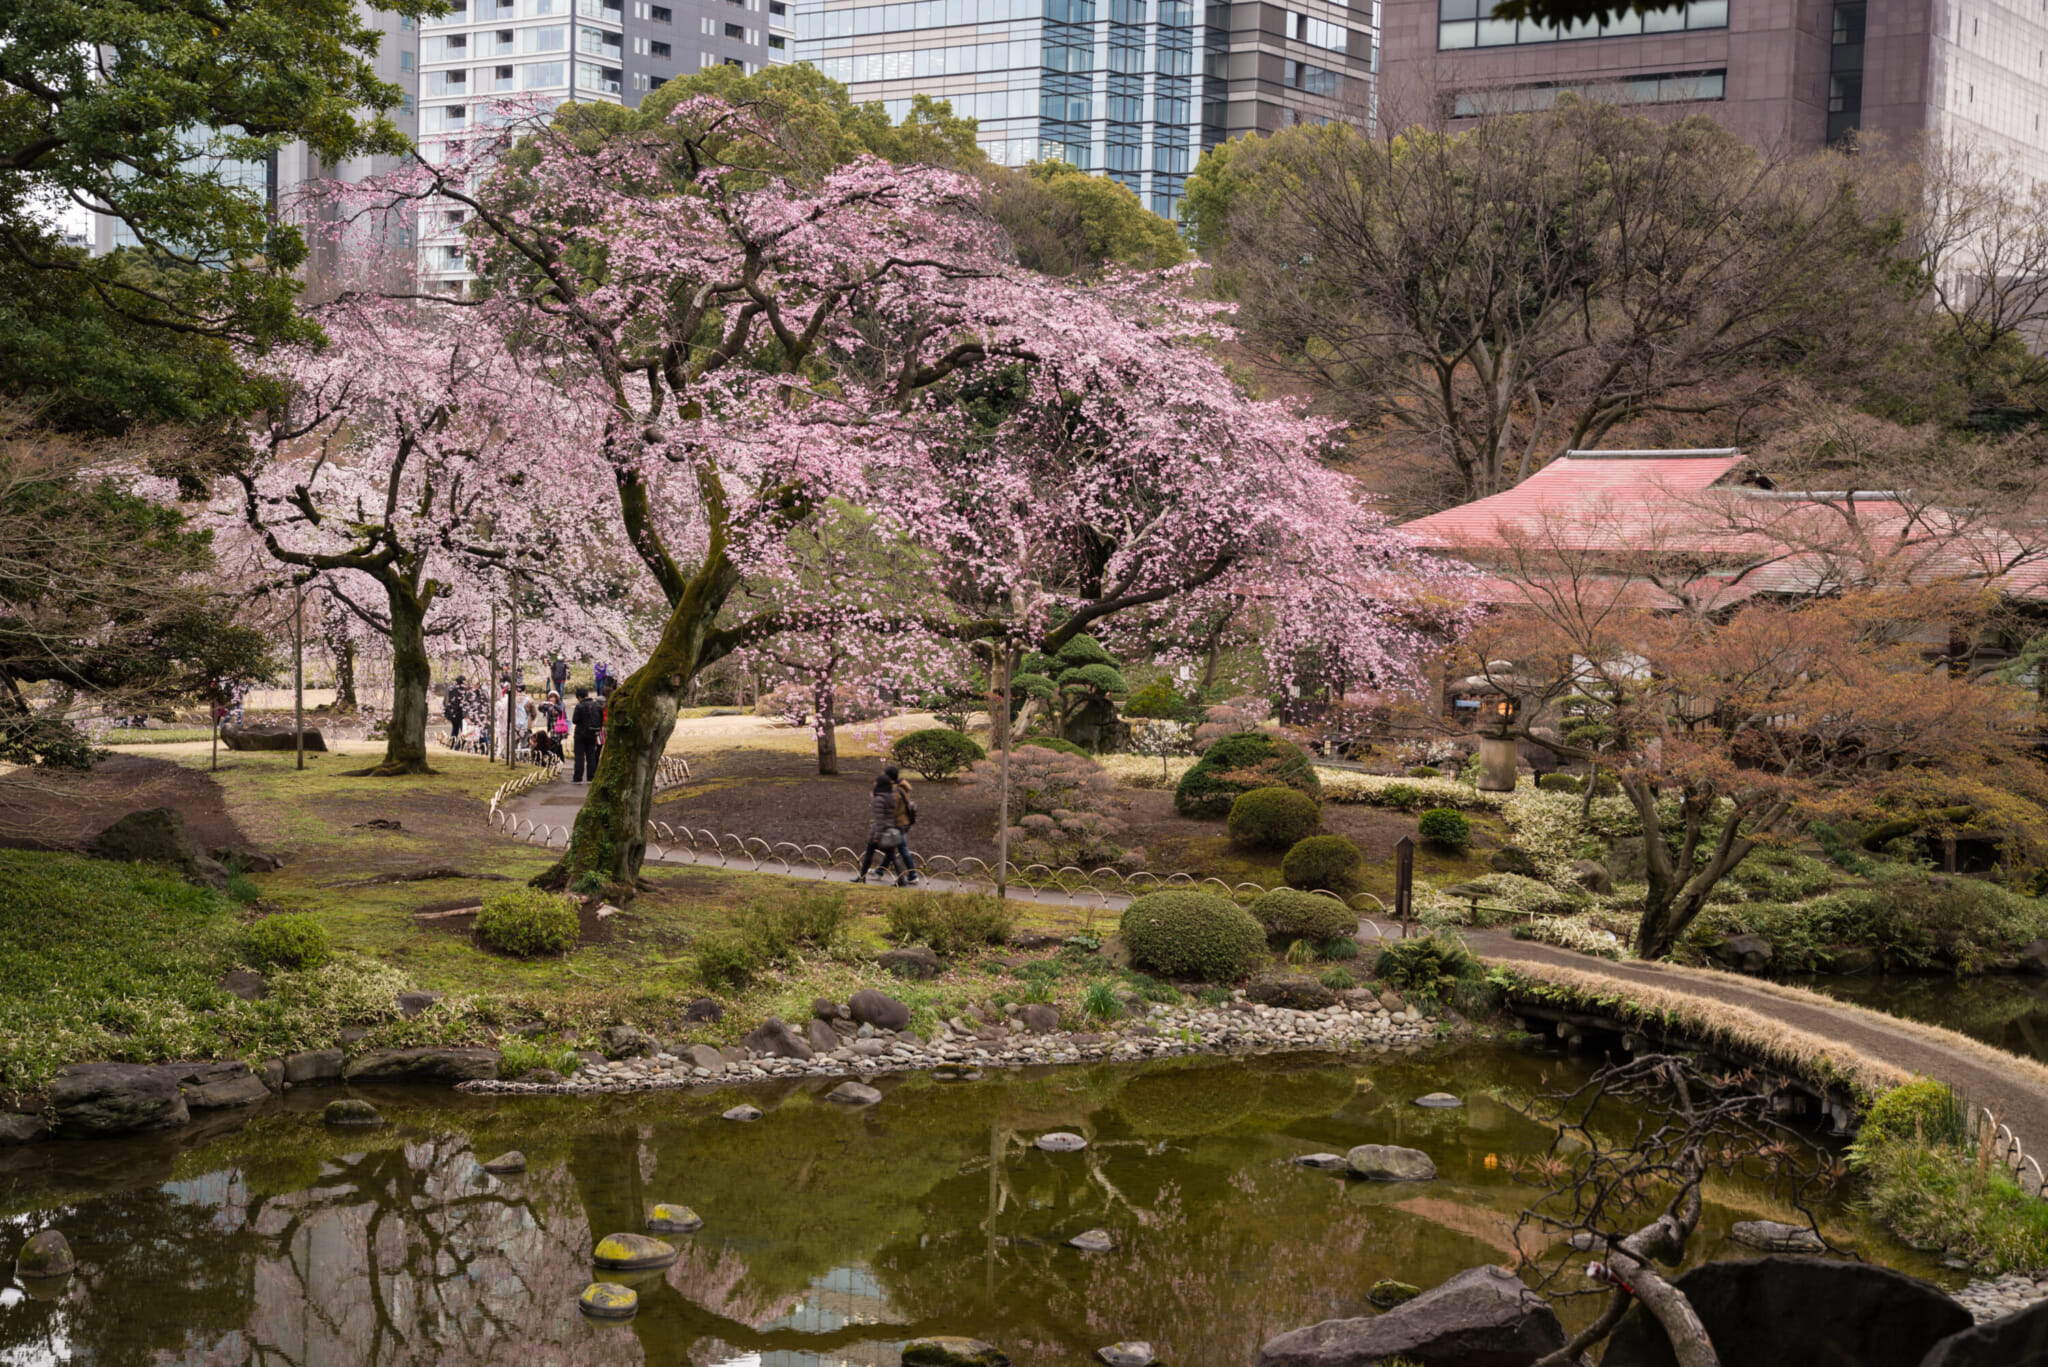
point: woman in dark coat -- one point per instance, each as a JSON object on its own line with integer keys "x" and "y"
{"x": 888, "y": 805}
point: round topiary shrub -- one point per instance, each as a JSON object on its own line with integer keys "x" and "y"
{"x": 1444, "y": 828}
{"x": 1291, "y": 914}
{"x": 527, "y": 923}
{"x": 1192, "y": 935}
{"x": 1324, "y": 861}
{"x": 288, "y": 942}
{"x": 936, "y": 752}
{"x": 1275, "y": 818}
{"x": 1237, "y": 764}
{"x": 1557, "y": 783}
{"x": 1425, "y": 771}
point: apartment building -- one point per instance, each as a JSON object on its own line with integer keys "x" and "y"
{"x": 1782, "y": 74}
{"x": 1131, "y": 89}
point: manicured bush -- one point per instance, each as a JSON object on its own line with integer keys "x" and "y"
{"x": 1557, "y": 783}
{"x": 1327, "y": 862}
{"x": 950, "y": 922}
{"x": 1288, "y": 913}
{"x": 1402, "y": 797}
{"x": 288, "y": 942}
{"x": 1192, "y": 935}
{"x": 1237, "y": 764}
{"x": 726, "y": 964}
{"x": 1922, "y": 1112}
{"x": 1444, "y": 828}
{"x": 1275, "y": 818}
{"x": 527, "y": 923}
{"x": 936, "y": 752}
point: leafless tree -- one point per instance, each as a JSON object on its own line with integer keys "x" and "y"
{"x": 1635, "y": 1141}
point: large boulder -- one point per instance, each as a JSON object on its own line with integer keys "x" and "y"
{"x": 1799, "y": 1312}
{"x": 1744, "y": 953}
{"x": 878, "y": 1009}
{"x": 444, "y": 1066}
{"x": 2016, "y": 1340}
{"x": 90, "y": 1100}
{"x": 912, "y": 961}
{"x": 2034, "y": 957}
{"x": 213, "y": 1086}
{"x": 1593, "y": 876}
{"x": 1390, "y": 1163}
{"x": 1296, "y": 994}
{"x": 774, "y": 1039}
{"x": 1513, "y": 859}
{"x": 268, "y": 738}
{"x": 1484, "y": 1317}
{"x": 820, "y": 1037}
{"x": 156, "y": 836}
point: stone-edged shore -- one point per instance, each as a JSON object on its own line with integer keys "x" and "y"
{"x": 964, "y": 1045}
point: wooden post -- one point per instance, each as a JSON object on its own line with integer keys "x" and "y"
{"x": 492, "y": 667}
{"x": 512, "y": 693}
{"x": 1404, "y": 881}
{"x": 299, "y": 676}
{"x": 1003, "y": 783}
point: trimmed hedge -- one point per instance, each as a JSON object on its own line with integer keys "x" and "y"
{"x": 1275, "y": 818}
{"x": 936, "y": 752}
{"x": 1237, "y": 764}
{"x": 1445, "y": 828}
{"x": 1192, "y": 935}
{"x": 1290, "y": 914}
{"x": 1324, "y": 861}
{"x": 527, "y": 923}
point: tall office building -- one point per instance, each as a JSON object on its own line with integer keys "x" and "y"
{"x": 1790, "y": 74}
{"x": 1132, "y": 89}
{"x": 551, "y": 51}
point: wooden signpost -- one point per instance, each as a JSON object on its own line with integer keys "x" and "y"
{"x": 1404, "y": 881}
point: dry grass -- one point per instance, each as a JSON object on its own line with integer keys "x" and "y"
{"x": 1813, "y": 1057}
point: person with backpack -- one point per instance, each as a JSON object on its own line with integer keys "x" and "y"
{"x": 586, "y": 724}
{"x": 892, "y": 813}
{"x": 558, "y": 675}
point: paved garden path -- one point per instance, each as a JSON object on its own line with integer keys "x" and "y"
{"x": 2015, "y": 1090}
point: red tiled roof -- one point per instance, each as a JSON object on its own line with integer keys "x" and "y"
{"x": 1608, "y": 496}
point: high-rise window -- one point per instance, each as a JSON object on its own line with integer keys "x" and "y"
{"x": 1470, "y": 23}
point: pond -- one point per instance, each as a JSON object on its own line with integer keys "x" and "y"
{"x": 830, "y": 1235}
{"x": 2009, "y": 1013}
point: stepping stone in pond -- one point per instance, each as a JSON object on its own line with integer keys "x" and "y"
{"x": 47, "y": 1255}
{"x": 1136, "y": 1353}
{"x": 1062, "y": 1141}
{"x": 632, "y": 1252}
{"x": 667, "y": 1219}
{"x": 853, "y": 1094}
{"x": 1322, "y": 1162}
{"x": 1094, "y": 1241}
{"x": 1775, "y": 1237}
{"x": 351, "y": 1111}
{"x": 744, "y": 1113}
{"x": 608, "y": 1301}
{"x": 950, "y": 1350}
{"x": 1439, "y": 1101}
{"x": 508, "y": 1162}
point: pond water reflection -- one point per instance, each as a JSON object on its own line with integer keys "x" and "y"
{"x": 830, "y": 1235}
{"x": 2009, "y": 1013}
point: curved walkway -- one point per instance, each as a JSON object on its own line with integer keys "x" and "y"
{"x": 2013, "y": 1089}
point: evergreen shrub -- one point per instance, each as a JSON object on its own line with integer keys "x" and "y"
{"x": 1328, "y": 862}
{"x": 292, "y": 942}
{"x": 1237, "y": 764}
{"x": 1275, "y": 818}
{"x": 527, "y": 923}
{"x": 1289, "y": 913}
{"x": 1192, "y": 935}
{"x": 936, "y": 752}
{"x": 1445, "y": 828}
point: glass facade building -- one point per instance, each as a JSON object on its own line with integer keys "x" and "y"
{"x": 1131, "y": 89}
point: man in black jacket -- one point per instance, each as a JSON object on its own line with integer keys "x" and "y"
{"x": 586, "y": 722}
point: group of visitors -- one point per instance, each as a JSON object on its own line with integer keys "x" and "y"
{"x": 892, "y": 812}
{"x": 468, "y": 710}
{"x": 546, "y": 727}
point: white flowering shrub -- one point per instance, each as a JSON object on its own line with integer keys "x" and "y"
{"x": 1349, "y": 786}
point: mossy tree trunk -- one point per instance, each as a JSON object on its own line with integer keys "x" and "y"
{"x": 405, "y": 737}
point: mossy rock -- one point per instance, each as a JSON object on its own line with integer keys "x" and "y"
{"x": 668, "y": 1219}
{"x": 1388, "y": 1293}
{"x": 951, "y": 1350}
{"x": 46, "y": 1255}
{"x": 1236, "y": 764}
{"x": 351, "y": 1111}
{"x": 632, "y": 1252}
{"x": 608, "y": 1301}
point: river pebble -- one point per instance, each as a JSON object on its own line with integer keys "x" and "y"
{"x": 1165, "y": 1032}
{"x": 1990, "y": 1298}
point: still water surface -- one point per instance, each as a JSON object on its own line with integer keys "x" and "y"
{"x": 830, "y": 1235}
{"x": 2009, "y": 1013}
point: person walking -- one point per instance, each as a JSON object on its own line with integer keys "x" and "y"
{"x": 452, "y": 707}
{"x": 891, "y": 814}
{"x": 558, "y": 675}
{"x": 586, "y": 722}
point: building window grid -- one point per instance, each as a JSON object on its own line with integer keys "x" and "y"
{"x": 1470, "y": 23}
